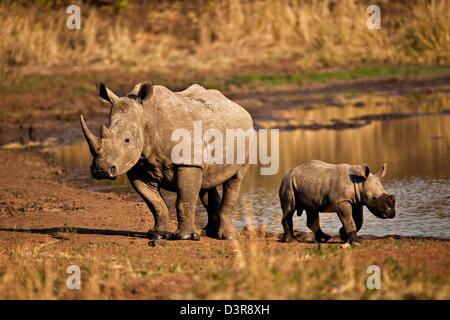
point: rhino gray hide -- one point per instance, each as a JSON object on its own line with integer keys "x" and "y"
{"x": 316, "y": 186}
{"x": 138, "y": 142}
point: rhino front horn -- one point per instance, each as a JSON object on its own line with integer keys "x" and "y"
{"x": 93, "y": 141}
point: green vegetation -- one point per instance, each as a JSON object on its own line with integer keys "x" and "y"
{"x": 85, "y": 84}
{"x": 5, "y": 111}
{"x": 327, "y": 76}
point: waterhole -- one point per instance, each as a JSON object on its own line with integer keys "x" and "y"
{"x": 411, "y": 133}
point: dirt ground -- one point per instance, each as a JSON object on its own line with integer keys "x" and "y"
{"x": 48, "y": 224}
{"x": 41, "y": 213}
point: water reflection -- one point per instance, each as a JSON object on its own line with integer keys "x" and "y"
{"x": 417, "y": 150}
{"x": 418, "y": 173}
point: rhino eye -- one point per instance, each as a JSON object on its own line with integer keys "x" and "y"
{"x": 127, "y": 140}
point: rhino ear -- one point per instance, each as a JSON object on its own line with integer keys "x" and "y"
{"x": 133, "y": 93}
{"x": 106, "y": 94}
{"x": 382, "y": 172}
{"x": 365, "y": 171}
{"x": 145, "y": 92}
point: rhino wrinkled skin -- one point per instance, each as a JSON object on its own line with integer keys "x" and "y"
{"x": 137, "y": 141}
{"x": 316, "y": 186}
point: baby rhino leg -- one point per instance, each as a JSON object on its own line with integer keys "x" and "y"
{"x": 313, "y": 223}
{"x": 348, "y": 231}
{"x": 288, "y": 224}
{"x": 357, "y": 214}
{"x": 288, "y": 206}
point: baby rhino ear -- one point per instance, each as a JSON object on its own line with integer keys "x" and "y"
{"x": 382, "y": 172}
{"x": 365, "y": 171}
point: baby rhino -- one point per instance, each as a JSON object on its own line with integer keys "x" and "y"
{"x": 316, "y": 186}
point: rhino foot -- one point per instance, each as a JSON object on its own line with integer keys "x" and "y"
{"x": 348, "y": 237}
{"x": 158, "y": 235}
{"x": 322, "y": 237}
{"x": 289, "y": 238}
{"x": 226, "y": 235}
{"x": 219, "y": 233}
{"x": 343, "y": 234}
{"x": 210, "y": 232}
{"x": 186, "y": 236}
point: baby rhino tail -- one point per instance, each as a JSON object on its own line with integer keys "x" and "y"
{"x": 288, "y": 197}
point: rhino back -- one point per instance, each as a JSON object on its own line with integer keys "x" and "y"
{"x": 178, "y": 110}
{"x": 322, "y": 186}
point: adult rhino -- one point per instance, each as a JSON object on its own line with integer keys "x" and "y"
{"x": 138, "y": 142}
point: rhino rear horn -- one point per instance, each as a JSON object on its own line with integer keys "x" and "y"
{"x": 105, "y": 132}
{"x": 93, "y": 141}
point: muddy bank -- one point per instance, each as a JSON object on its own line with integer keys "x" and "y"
{"x": 40, "y": 117}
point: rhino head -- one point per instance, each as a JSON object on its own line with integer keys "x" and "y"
{"x": 120, "y": 144}
{"x": 374, "y": 197}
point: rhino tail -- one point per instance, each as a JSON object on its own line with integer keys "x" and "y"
{"x": 297, "y": 202}
{"x": 288, "y": 198}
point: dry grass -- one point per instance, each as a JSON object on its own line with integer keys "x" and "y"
{"x": 316, "y": 273}
{"x": 226, "y": 35}
{"x": 257, "y": 269}
{"x": 38, "y": 271}
{"x": 27, "y": 273}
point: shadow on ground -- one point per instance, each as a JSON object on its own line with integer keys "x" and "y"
{"x": 105, "y": 232}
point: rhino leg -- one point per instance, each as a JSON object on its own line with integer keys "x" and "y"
{"x": 358, "y": 217}
{"x": 211, "y": 200}
{"x": 348, "y": 231}
{"x": 357, "y": 214}
{"x": 287, "y": 222}
{"x": 229, "y": 203}
{"x": 189, "y": 181}
{"x": 157, "y": 206}
{"x": 288, "y": 206}
{"x": 313, "y": 223}
{"x": 288, "y": 225}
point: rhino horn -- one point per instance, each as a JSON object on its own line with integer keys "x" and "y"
{"x": 105, "y": 132}
{"x": 93, "y": 141}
